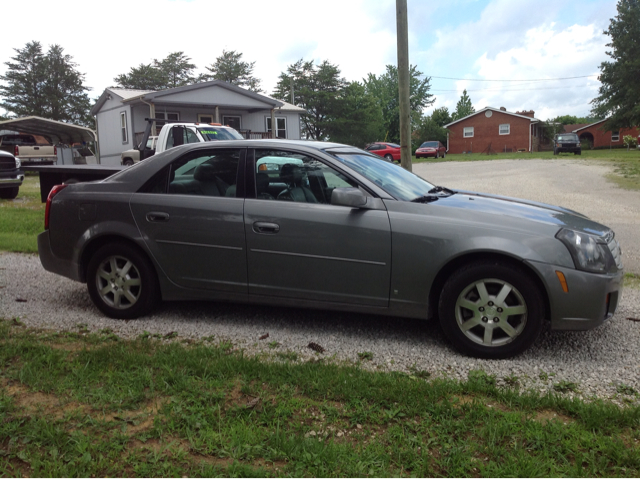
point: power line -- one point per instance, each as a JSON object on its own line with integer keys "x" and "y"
{"x": 519, "y": 89}
{"x": 537, "y": 79}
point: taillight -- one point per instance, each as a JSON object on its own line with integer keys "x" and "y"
{"x": 54, "y": 191}
{"x": 16, "y": 150}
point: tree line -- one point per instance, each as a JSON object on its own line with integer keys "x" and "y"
{"x": 48, "y": 84}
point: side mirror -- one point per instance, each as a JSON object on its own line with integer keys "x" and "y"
{"x": 351, "y": 197}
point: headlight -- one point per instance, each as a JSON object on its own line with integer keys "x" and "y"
{"x": 18, "y": 163}
{"x": 587, "y": 252}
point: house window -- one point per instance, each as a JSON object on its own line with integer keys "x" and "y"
{"x": 281, "y": 123}
{"x": 165, "y": 116}
{"x": 123, "y": 126}
{"x": 232, "y": 121}
{"x": 204, "y": 118}
{"x": 615, "y": 135}
{"x": 468, "y": 132}
{"x": 505, "y": 129}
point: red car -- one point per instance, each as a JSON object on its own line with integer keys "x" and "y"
{"x": 431, "y": 148}
{"x": 390, "y": 151}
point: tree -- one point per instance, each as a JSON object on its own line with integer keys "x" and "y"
{"x": 174, "y": 71}
{"x": 229, "y": 67}
{"x": 317, "y": 89}
{"x": 441, "y": 116}
{"x": 357, "y": 117}
{"x": 430, "y": 130}
{"x": 385, "y": 89}
{"x": 619, "y": 93}
{"x": 573, "y": 120}
{"x": 463, "y": 107}
{"x": 48, "y": 85}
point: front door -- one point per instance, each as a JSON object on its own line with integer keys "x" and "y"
{"x": 300, "y": 246}
{"x": 193, "y": 224}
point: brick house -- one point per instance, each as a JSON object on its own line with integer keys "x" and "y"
{"x": 597, "y": 137}
{"x": 494, "y": 129}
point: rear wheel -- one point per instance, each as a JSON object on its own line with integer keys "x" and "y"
{"x": 9, "y": 193}
{"x": 122, "y": 282}
{"x": 388, "y": 157}
{"x": 490, "y": 309}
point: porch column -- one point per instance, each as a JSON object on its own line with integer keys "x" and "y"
{"x": 274, "y": 128}
{"x": 217, "y": 115}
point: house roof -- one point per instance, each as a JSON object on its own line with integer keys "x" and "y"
{"x": 130, "y": 96}
{"x": 589, "y": 125}
{"x": 532, "y": 120}
{"x": 574, "y": 127}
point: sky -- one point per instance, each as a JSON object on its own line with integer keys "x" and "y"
{"x": 493, "y": 48}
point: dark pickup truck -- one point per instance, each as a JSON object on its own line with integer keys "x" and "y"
{"x": 11, "y": 177}
{"x": 567, "y": 143}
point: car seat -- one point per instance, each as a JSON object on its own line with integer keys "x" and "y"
{"x": 209, "y": 183}
{"x": 292, "y": 175}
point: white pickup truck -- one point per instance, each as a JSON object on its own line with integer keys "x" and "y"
{"x": 27, "y": 149}
{"x": 175, "y": 134}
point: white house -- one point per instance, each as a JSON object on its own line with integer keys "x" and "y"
{"x": 120, "y": 114}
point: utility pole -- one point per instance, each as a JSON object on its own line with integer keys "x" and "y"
{"x": 403, "y": 83}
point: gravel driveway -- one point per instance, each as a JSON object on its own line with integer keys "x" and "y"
{"x": 598, "y": 361}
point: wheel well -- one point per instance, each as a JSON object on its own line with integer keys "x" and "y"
{"x": 97, "y": 243}
{"x": 448, "y": 269}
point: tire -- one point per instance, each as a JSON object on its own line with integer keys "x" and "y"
{"x": 437, "y": 155}
{"x": 388, "y": 157}
{"x": 555, "y": 152}
{"x": 122, "y": 282}
{"x": 475, "y": 317}
{"x": 578, "y": 152}
{"x": 444, "y": 154}
{"x": 9, "y": 193}
{"x": 127, "y": 162}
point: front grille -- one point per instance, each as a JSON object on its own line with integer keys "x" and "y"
{"x": 7, "y": 163}
{"x": 614, "y": 247}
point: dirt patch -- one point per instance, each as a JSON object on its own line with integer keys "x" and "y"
{"x": 547, "y": 415}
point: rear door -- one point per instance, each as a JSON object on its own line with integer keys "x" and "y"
{"x": 192, "y": 220}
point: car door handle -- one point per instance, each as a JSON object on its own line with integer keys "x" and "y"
{"x": 265, "y": 228}
{"x": 157, "y": 217}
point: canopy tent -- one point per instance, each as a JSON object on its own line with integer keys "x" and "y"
{"x": 58, "y": 131}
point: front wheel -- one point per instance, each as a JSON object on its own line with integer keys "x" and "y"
{"x": 444, "y": 154}
{"x": 437, "y": 155}
{"x": 122, "y": 282}
{"x": 127, "y": 162}
{"x": 490, "y": 309}
{"x": 9, "y": 193}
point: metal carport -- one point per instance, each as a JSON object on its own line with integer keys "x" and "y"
{"x": 57, "y": 131}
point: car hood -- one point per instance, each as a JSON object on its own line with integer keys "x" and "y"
{"x": 522, "y": 209}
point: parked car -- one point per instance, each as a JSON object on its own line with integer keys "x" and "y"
{"x": 129, "y": 157}
{"x": 337, "y": 229}
{"x": 27, "y": 149}
{"x": 431, "y": 148}
{"x": 11, "y": 177}
{"x": 389, "y": 151}
{"x": 567, "y": 143}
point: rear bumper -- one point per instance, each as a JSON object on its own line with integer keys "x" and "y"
{"x": 52, "y": 263}
{"x": 591, "y": 299}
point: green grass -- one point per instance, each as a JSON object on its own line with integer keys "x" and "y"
{"x": 632, "y": 280}
{"x": 626, "y": 164}
{"x": 82, "y": 404}
{"x": 22, "y": 219}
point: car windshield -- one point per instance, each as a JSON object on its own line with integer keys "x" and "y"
{"x": 429, "y": 144}
{"x": 212, "y": 133}
{"x": 395, "y": 180}
{"x": 567, "y": 138}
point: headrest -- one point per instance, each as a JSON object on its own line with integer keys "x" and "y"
{"x": 290, "y": 173}
{"x": 204, "y": 172}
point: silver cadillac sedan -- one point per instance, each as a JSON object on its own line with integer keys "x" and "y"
{"x": 324, "y": 225}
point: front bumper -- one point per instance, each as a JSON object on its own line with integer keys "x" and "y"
{"x": 568, "y": 149}
{"x": 51, "y": 262}
{"x": 13, "y": 178}
{"x": 590, "y": 301}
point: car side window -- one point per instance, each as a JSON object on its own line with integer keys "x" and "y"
{"x": 211, "y": 172}
{"x": 284, "y": 176}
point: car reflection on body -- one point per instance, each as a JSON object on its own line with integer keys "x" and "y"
{"x": 323, "y": 225}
